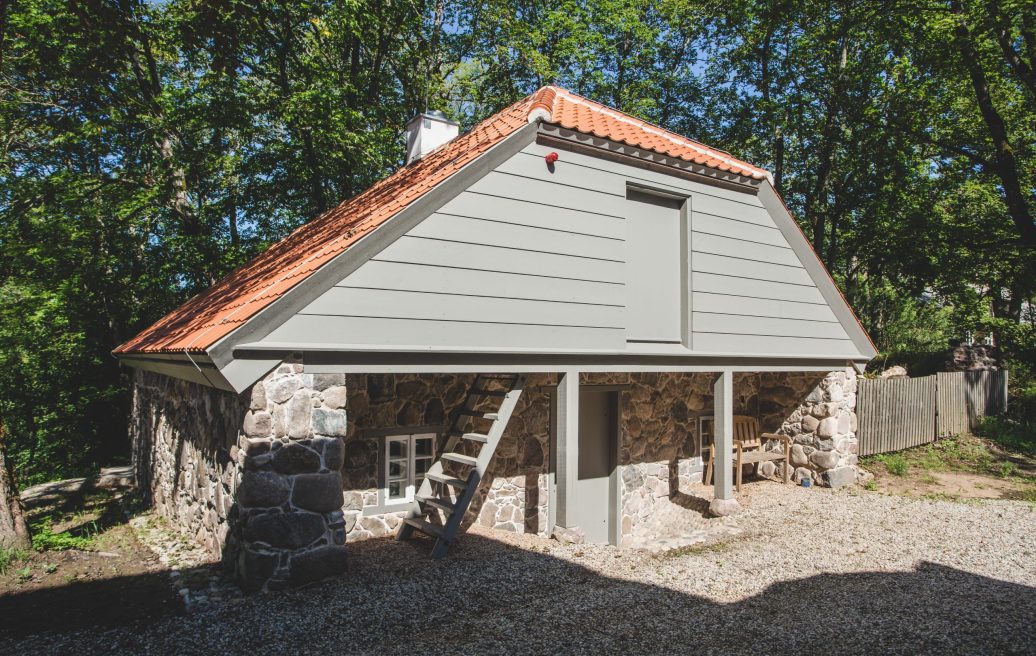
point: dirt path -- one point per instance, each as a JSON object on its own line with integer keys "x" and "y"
{"x": 88, "y": 569}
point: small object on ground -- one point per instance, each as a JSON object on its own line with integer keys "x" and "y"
{"x": 807, "y": 482}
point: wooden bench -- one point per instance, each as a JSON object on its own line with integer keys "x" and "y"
{"x": 748, "y": 448}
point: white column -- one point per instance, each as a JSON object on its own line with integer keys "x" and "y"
{"x": 724, "y": 502}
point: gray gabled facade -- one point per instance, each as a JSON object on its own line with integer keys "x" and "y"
{"x": 629, "y": 295}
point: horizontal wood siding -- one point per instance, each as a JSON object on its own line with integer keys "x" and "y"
{"x": 404, "y": 333}
{"x": 513, "y": 262}
{"x": 531, "y": 257}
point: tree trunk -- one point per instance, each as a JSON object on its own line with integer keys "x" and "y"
{"x": 14, "y": 532}
{"x": 1006, "y": 164}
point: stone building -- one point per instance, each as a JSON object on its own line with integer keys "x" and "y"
{"x": 537, "y": 325}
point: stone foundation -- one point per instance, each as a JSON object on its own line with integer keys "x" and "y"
{"x": 823, "y": 429}
{"x": 278, "y": 479}
{"x": 184, "y": 450}
{"x": 292, "y": 528}
{"x": 513, "y": 495}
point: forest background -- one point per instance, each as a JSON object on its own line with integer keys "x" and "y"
{"x": 149, "y": 148}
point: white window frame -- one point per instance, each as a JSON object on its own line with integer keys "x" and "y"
{"x": 706, "y": 423}
{"x": 410, "y": 478}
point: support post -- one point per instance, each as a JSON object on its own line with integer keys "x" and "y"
{"x": 724, "y": 502}
{"x": 566, "y": 425}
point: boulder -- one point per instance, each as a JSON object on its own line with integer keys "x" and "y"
{"x": 256, "y": 447}
{"x": 798, "y": 456}
{"x": 285, "y": 530}
{"x": 323, "y": 381}
{"x": 844, "y": 423}
{"x": 330, "y": 422}
{"x": 574, "y": 535}
{"x": 333, "y": 449}
{"x": 262, "y": 489}
{"x": 809, "y": 424}
{"x": 258, "y": 424}
{"x": 254, "y": 569}
{"x": 318, "y": 492}
{"x": 297, "y": 414}
{"x": 316, "y": 564}
{"x": 280, "y": 390}
{"x": 296, "y": 459}
{"x": 828, "y": 427}
{"x": 824, "y": 459}
{"x": 840, "y": 477}
{"x": 895, "y": 372}
{"x": 724, "y": 507}
{"x": 258, "y": 400}
{"x": 335, "y": 397}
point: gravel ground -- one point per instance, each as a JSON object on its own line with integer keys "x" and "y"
{"x": 811, "y": 571}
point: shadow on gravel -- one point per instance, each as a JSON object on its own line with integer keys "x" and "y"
{"x": 489, "y": 597}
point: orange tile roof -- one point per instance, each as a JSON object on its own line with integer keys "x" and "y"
{"x": 208, "y": 317}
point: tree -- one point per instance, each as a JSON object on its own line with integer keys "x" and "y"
{"x": 14, "y": 533}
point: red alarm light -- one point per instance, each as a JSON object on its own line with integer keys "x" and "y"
{"x": 551, "y": 158}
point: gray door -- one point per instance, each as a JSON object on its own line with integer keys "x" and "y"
{"x": 654, "y": 303}
{"x": 594, "y": 498}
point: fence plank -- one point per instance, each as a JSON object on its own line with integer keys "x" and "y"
{"x": 898, "y": 414}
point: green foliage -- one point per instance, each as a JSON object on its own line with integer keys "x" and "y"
{"x": 1010, "y": 434}
{"x": 45, "y": 539}
{"x": 10, "y": 556}
{"x": 894, "y": 463}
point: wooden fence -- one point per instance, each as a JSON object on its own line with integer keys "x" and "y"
{"x": 899, "y": 413}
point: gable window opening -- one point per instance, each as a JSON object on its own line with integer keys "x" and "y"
{"x": 407, "y": 460}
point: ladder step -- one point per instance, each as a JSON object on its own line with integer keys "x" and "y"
{"x": 492, "y": 416}
{"x": 462, "y": 459}
{"x": 435, "y": 530}
{"x": 474, "y": 437}
{"x": 497, "y": 393}
{"x": 445, "y": 505}
{"x": 446, "y": 480}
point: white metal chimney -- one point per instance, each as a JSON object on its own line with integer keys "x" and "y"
{"x": 426, "y": 132}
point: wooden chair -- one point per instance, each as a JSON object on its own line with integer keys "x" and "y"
{"x": 748, "y": 448}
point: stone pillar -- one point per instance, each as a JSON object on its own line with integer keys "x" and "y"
{"x": 823, "y": 430}
{"x": 290, "y": 527}
{"x": 724, "y": 502}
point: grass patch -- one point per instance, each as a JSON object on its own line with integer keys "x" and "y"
{"x": 11, "y": 556}
{"x": 45, "y": 539}
{"x": 1010, "y": 434}
{"x": 894, "y": 463}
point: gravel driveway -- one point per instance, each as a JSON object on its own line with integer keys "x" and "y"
{"x": 813, "y": 571}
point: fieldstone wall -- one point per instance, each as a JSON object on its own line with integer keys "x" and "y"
{"x": 823, "y": 428}
{"x": 253, "y": 478}
{"x": 290, "y": 519}
{"x": 659, "y": 428}
{"x": 276, "y": 480}
{"x": 184, "y": 448}
{"x": 513, "y": 494}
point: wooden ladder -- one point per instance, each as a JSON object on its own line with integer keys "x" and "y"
{"x": 446, "y": 492}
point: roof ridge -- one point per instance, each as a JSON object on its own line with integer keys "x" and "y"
{"x": 659, "y": 131}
